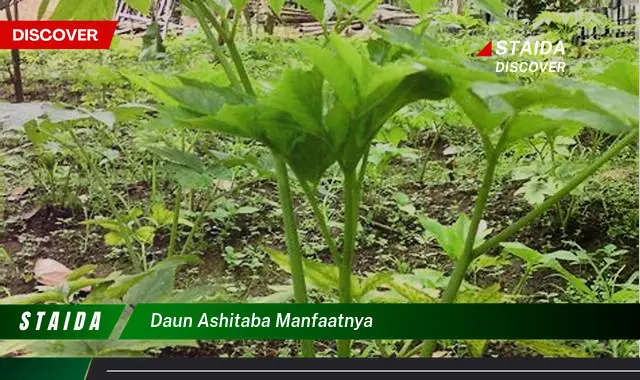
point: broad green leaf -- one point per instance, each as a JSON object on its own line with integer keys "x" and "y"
{"x": 323, "y": 276}
{"x": 142, "y": 6}
{"x": 34, "y": 298}
{"x": 191, "y": 179}
{"x": 625, "y": 296}
{"x": 485, "y": 115}
{"x": 39, "y": 134}
{"x": 299, "y": 93}
{"x": 145, "y": 234}
{"x": 326, "y": 276}
{"x": 529, "y": 124}
{"x": 490, "y": 294}
{"x": 549, "y": 348}
{"x": 622, "y": 75}
{"x": 564, "y": 255}
{"x": 362, "y": 9}
{"x": 535, "y": 258}
{"x": 452, "y": 238}
{"x": 289, "y": 126}
{"x": 84, "y": 10}
{"x": 179, "y": 157}
{"x": 336, "y": 71}
{"x": 238, "y": 5}
{"x": 315, "y": 7}
{"x": 122, "y": 284}
{"x": 283, "y": 295}
{"x": 385, "y": 98}
{"x": 370, "y": 284}
{"x": 412, "y": 294}
{"x": 494, "y": 7}
{"x": 476, "y": 347}
{"x": 536, "y": 190}
{"x": 527, "y": 254}
{"x": 191, "y": 295}
{"x": 115, "y": 238}
{"x": 81, "y": 272}
{"x": 239, "y": 121}
{"x": 422, "y": 7}
{"x": 203, "y": 98}
{"x": 161, "y": 215}
{"x": 276, "y": 5}
{"x": 524, "y": 172}
{"x": 618, "y": 103}
{"x": 152, "y": 288}
{"x": 610, "y": 103}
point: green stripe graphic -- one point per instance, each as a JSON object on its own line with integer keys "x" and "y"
{"x": 384, "y": 321}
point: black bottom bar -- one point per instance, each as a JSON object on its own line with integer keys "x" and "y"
{"x": 348, "y": 369}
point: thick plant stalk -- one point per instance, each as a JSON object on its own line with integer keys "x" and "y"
{"x": 351, "y": 208}
{"x": 242, "y": 72}
{"x": 466, "y": 258}
{"x": 321, "y": 218}
{"x": 293, "y": 245}
{"x": 458, "y": 275}
{"x": 286, "y": 202}
{"x": 226, "y": 66}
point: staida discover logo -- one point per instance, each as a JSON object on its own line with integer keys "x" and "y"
{"x": 515, "y": 49}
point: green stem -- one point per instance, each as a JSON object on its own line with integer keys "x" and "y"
{"x": 321, "y": 218}
{"x": 286, "y": 202}
{"x": 523, "y": 280}
{"x": 233, "y": 50}
{"x": 202, "y": 14}
{"x": 351, "y": 207}
{"x": 293, "y": 244}
{"x": 549, "y": 202}
{"x": 242, "y": 72}
{"x": 465, "y": 260}
{"x": 95, "y": 173}
{"x": 174, "y": 225}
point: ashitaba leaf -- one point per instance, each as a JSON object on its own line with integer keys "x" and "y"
{"x": 367, "y": 95}
{"x": 312, "y": 118}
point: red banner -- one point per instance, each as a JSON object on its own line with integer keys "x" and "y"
{"x": 56, "y": 35}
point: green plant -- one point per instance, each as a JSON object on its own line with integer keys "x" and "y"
{"x": 46, "y": 126}
{"x": 339, "y": 126}
{"x": 506, "y": 113}
{"x": 565, "y": 27}
{"x": 310, "y": 142}
{"x": 554, "y": 164}
{"x": 156, "y": 285}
